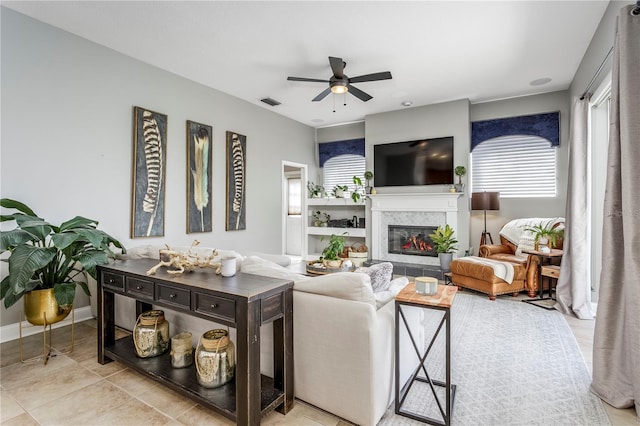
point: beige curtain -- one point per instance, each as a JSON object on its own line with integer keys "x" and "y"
{"x": 616, "y": 346}
{"x": 573, "y": 292}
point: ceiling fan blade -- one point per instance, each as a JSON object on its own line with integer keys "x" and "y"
{"x": 337, "y": 66}
{"x": 364, "y": 97}
{"x": 322, "y": 94}
{"x": 386, "y": 75}
{"x": 314, "y": 80}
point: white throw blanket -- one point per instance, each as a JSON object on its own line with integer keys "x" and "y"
{"x": 502, "y": 270}
{"x": 514, "y": 229}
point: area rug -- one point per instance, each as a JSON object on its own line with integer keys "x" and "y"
{"x": 512, "y": 363}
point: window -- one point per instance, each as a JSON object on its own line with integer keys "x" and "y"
{"x": 340, "y": 170}
{"x": 294, "y": 188}
{"x": 516, "y": 166}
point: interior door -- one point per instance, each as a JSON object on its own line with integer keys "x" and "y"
{"x": 294, "y": 176}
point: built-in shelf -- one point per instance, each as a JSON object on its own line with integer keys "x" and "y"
{"x": 325, "y": 230}
{"x": 339, "y": 209}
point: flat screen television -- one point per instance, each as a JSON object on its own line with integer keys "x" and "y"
{"x": 419, "y": 162}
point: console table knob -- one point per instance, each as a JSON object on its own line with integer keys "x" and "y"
{"x": 173, "y": 296}
{"x": 213, "y": 306}
{"x": 138, "y": 287}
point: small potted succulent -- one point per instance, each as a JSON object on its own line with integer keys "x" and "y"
{"x": 340, "y": 191}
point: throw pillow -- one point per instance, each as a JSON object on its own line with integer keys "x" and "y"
{"x": 527, "y": 242}
{"x": 380, "y": 275}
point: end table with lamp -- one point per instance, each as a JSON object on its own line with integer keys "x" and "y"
{"x": 485, "y": 201}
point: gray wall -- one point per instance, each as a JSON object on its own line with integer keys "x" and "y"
{"x": 514, "y": 208}
{"x": 67, "y": 107}
{"x": 431, "y": 121}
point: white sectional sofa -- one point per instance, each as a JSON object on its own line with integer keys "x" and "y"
{"x": 343, "y": 337}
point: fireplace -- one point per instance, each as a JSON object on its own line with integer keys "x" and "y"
{"x": 422, "y": 212}
{"x": 411, "y": 240}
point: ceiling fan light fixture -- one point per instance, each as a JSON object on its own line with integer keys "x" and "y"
{"x": 339, "y": 87}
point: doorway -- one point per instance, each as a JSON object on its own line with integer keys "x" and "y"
{"x": 294, "y": 177}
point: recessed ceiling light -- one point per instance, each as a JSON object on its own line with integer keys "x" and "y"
{"x": 540, "y": 81}
{"x": 407, "y": 103}
{"x": 317, "y": 120}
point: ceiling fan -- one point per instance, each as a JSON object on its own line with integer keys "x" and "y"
{"x": 341, "y": 83}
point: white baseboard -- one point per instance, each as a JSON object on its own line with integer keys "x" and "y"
{"x": 12, "y": 331}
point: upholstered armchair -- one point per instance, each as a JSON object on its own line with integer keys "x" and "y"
{"x": 513, "y": 239}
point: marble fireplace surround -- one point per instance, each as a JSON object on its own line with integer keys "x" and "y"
{"x": 424, "y": 209}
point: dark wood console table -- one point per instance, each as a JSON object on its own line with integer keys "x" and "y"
{"x": 243, "y": 301}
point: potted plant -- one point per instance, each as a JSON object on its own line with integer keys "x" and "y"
{"x": 339, "y": 191}
{"x": 368, "y": 176}
{"x": 460, "y": 171}
{"x": 321, "y": 218}
{"x": 545, "y": 235}
{"x": 357, "y": 190}
{"x": 445, "y": 245}
{"x": 331, "y": 254}
{"x": 315, "y": 191}
{"x": 45, "y": 260}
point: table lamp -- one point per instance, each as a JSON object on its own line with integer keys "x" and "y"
{"x": 485, "y": 201}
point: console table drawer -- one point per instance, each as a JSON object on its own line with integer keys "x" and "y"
{"x": 140, "y": 287}
{"x": 174, "y": 296}
{"x": 114, "y": 281}
{"x": 214, "y": 306}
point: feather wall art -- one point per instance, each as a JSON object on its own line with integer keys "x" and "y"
{"x": 149, "y": 163}
{"x": 236, "y": 181}
{"x": 199, "y": 147}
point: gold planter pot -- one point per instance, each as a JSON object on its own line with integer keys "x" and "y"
{"x": 41, "y": 307}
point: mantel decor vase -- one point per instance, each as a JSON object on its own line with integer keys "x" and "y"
{"x": 151, "y": 334}
{"x": 41, "y": 307}
{"x": 215, "y": 359}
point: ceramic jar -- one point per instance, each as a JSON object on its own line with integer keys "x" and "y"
{"x": 151, "y": 334}
{"x": 215, "y": 359}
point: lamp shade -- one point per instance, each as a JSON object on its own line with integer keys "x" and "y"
{"x": 485, "y": 201}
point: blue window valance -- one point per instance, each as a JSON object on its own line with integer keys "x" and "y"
{"x": 327, "y": 150}
{"x": 545, "y": 125}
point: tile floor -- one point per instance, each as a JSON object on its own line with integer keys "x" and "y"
{"x": 73, "y": 389}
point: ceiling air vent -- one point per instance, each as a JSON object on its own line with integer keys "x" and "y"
{"x": 271, "y": 102}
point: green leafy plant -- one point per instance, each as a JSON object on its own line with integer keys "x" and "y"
{"x": 321, "y": 218}
{"x": 542, "y": 231}
{"x": 357, "y": 190}
{"x": 338, "y": 189}
{"x": 460, "y": 171}
{"x": 443, "y": 239}
{"x": 335, "y": 247}
{"x": 315, "y": 190}
{"x": 45, "y": 256}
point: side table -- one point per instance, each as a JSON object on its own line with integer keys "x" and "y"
{"x": 441, "y": 301}
{"x": 545, "y": 260}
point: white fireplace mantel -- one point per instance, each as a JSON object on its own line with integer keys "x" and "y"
{"x": 445, "y": 203}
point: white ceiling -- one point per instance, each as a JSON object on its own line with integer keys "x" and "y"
{"x": 437, "y": 51}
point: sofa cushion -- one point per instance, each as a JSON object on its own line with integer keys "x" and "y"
{"x": 343, "y": 285}
{"x": 380, "y": 275}
{"x": 527, "y": 242}
{"x": 385, "y": 296}
{"x": 259, "y": 266}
